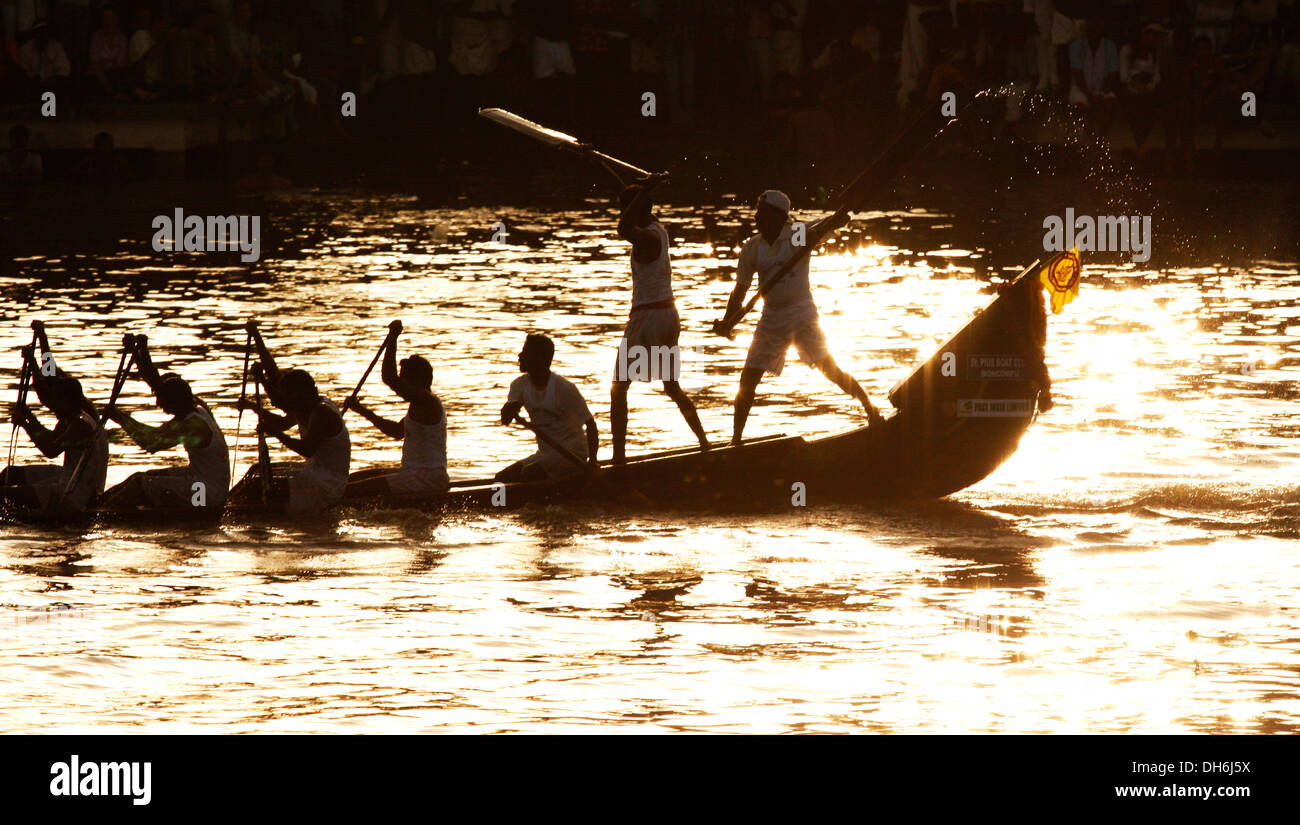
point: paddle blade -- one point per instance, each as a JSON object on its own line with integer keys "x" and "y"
{"x": 528, "y": 127}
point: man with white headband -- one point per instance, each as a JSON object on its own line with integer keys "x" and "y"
{"x": 789, "y": 314}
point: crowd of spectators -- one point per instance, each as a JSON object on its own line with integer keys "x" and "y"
{"x": 809, "y": 72}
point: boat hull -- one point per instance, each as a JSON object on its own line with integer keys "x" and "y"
{"x": 959, "y": 415}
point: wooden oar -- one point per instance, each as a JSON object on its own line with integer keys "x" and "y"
{"x": 124, "y": 364}
{"x": 243, "y": 393}
{"x": 38, "y": 335}
{"x": 24, "y": 381}
{"x": 904, "y": 144}
{"x": 561, "y": 140}
{"x": 263, "y": 451}
{"x": 344, "y": 409}
{"x": 555, "y": 445}
{"x": 22, "y": 396}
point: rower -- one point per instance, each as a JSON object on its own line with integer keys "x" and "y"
{"x": 559, "y": 415}
{"x": 48, "y": 365}
{"x": 649, "y": 347}
{"x": 318, "y": 482}
{"x": 203, "y": 482}
{"x": 423, "y": 431}
{"x": 789, "y": 314}
{"x": 43, "y": 486}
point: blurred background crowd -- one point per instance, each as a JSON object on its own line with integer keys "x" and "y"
{"x": 807, "y": 74}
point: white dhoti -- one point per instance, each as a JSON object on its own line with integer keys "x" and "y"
{"x": 414, "y": 481}
{"x": 649, "y": 350}
{"x": 777, "y": 331}
{"x": 175, "y": 487}
{"x": 311, "y": 491}
{"x": 46, "y": 481}
{"x": 555, "y": 464}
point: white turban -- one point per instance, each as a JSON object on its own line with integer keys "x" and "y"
{"x": 776, "y": 199}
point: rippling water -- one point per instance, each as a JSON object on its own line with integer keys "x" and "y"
{"x": 1132, "y": 568}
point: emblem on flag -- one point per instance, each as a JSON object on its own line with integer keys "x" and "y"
{"x": 1061, "y": 278}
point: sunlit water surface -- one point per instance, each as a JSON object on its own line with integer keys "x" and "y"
{"x": 1132, "y": 568}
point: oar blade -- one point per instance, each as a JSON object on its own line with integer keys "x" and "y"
{"x": 555, "y": 138}
{"x": 525, "y": 126}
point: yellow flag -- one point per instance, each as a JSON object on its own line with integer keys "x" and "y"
{"x": 1061, "y": 279}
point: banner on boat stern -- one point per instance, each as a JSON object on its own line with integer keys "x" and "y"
{"x": 1061, "y": 279}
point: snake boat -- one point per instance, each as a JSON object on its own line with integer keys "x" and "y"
{"x": 957, "y": 417}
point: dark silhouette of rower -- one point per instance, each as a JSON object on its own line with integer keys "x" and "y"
{"x": 559, "y": 416}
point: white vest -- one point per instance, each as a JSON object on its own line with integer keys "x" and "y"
{"x": 653, "y": 282}
{"x": 424, "y": 446}
{"x": 210, "y": 464}
{"x": 92, "y": 478}
{"x": 792, "y": 295}
{"x": 328, "y": 468}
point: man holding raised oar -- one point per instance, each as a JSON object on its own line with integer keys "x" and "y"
{"x": 76, "y": 436}
{"x": 789, "y": 314}
{"x": 423, "y": 431}
{"x": 559, "y": 416}
{"x": 319, "y": 481}
{"x": 649, "y": 347}
{"x": 205, "y": 480}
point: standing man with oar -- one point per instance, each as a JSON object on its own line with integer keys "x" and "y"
{"x": 319, "y": 481}
{"x": 559, "y": 416}
{"x": 789, "y": 314}
{"x": 649, "y": 347}
{"x": 204, "y": 482}
{"x": 77, "y": 437}
{"x": 423, "y": 431}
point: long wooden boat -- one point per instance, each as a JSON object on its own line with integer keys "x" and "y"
{"x": 959, "y": 415}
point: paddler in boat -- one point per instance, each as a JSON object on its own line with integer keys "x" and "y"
{"x": 559, "y": 415}
{"x": 649, "y": 348}
{"x": 423, "y": 431}
{"x": 43, "y": 487}
{"x": 205, "y": 480}
{"x": 48, "y": 365}
{"x": 789, "y": 314}
{"x": 319, "y": 481}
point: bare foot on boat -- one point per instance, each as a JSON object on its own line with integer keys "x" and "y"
{"x": 874, "y": 418}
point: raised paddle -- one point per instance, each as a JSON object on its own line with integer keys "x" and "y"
{"x": 38, "y": 335}
{"x": 344, "y": 409}
{"x": 906, "y": 143}
{"x": 551, "y": 137}
{"x": 555, "y": 445}
{"x": 24, "y": 376}
{"x": 124, "y": 364}
{"x": 24, "y": 381}
{"x": 243, "y": 393}
{"x": 263, "y": 452}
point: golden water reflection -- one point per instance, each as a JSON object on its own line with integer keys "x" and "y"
{"x": 1131, "y": 568}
